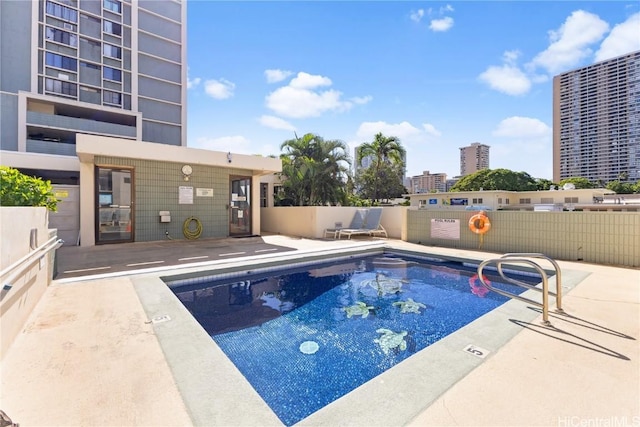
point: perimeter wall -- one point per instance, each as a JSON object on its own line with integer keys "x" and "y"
{"x": 611, "y": 238}
{"x": 19, "y": 296}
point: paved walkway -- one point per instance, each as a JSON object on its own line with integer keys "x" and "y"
{"x": 89, "y": 356}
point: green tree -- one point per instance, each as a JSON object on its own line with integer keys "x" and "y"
{"x": 623, "y": 187}
{"x": 544, "y": 184}
{"x": 18, "y": 189}
{"x": 387, "y": 182}
{"x": 578, "y": 182}
{"x": 496, "y": 179}
{"x": 314, "y": 171}
{"x": 384, "y": 150}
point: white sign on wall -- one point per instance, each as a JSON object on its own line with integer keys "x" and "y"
{"x": 445, "y": 229}
{"x": 204, "y": 192}
{"x": 185, "y": 195}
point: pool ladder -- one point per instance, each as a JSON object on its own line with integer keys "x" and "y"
{"x": 523, "y": 258}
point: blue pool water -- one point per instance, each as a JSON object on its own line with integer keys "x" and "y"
{"x": 305, "y": 338}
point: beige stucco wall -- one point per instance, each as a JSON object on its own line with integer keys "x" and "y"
{"x": 17, "y": 302}
{"x": 598, "y": 237}
{"x": 311, "y": 221}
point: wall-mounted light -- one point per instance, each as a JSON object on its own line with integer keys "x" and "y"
{"x": 229, "y": 158}
{"x": 186, "y": 172}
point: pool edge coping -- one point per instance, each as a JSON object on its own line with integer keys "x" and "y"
{"x": 185, "y": 344}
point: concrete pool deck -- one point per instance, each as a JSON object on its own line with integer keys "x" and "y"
{"x": 90, "y": 355}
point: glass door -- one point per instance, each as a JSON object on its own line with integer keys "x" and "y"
{"x": 114, "y": 220}
{"x": 240, "y": 206}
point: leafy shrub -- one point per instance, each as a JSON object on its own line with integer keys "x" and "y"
{"x": 18, "y": 189}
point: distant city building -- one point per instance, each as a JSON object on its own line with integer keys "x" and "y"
{"x": 473, "y": 158}
{"x": 112, "y": 67}
{"x": 451, "y": 182}
{"x": 428, "y": 182}
{"x": 364, "y": 163}
{"x": 596, "y": 121}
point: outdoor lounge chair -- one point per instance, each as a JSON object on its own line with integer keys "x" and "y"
{"x": 370, "y": 227}
{"x": 356, "y": 223}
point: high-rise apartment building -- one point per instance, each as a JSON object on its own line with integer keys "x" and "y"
{"x": 473, "y": 158}
{"x": 596, "y": 121}
{"x": 428, "y": 182}
{"x": 103, "y": 67}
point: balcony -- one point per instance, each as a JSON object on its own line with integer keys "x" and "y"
{"x": 50, "y": 147}
{"x": 80, "y": 125}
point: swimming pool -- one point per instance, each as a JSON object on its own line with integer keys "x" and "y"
{"x": 305, "y": 337}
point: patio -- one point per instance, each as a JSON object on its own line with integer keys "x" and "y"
{"x": 90, "y": 356}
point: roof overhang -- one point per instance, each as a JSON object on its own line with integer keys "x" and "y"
{"x": 89, "y": 146}
{"x": 22, "y": 160}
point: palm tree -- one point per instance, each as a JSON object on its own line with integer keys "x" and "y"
{"x": 383, "y": 149}
{"x": 314, "y": 169}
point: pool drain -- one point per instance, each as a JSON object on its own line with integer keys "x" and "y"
{"x": 309, "y": 347}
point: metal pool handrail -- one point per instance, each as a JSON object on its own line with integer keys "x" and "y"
{"x": 20, "y": 266}
{"x": 543, "y": 274}
{"x": 557, "y": 294}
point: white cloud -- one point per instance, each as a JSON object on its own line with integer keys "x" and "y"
{"x": 507, "y": 78}
{"x": 431, "y": 129}
{"x": 571, "y": 43}
{"x": 524, "y": 141}
{"x": 443, "y": 24}
{"x": 445, "y": 9}
{"x": 301, "y": 99}
{"x": 309, "y": 81}
{"x": 297, "y": 103}
{"x": 403, "y": 130}
{"x": 623, "y": 38}
{"x": 192, "y": 83}
{"x": 361, "y": 99}
{"x": 219, "y": 89}
{"x": 511, "y": 56}
{"x": 521, "y": 127}
{"x": 276, "y": 123}
{"x": 417, "y": 15}
{"x": 274, "y": 76}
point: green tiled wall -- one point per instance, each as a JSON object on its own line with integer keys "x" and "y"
{"x": 599, "y": 237}
{"x": 156, "y": 189}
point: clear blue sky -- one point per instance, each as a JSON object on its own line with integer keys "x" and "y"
{"x": 438, "y": 75}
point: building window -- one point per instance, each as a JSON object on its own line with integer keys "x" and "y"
{"x": 112, "y": 51}
{"x": 62, "y": 12}
{"x": 571, "y": 200}
{"x": 112, "y": 5}
{"x": 506, "y": 201}
{"x": 477, "y": 201}
{"x": 112, "y": 74}
{"x": 112, "y": 28}
{"x": 112, "y": 97}
{"x": 525, "y": 201}
{"x": 64, "y": 88}
{"x": 59, "y": 61}
{"x": 499, "y": 200}
{"x": 88, "y": 65}
{"x": 61, "y": 36}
